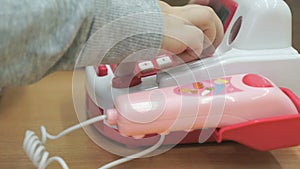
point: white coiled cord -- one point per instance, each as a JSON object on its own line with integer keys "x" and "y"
{"x": 37, "y": 153}
{"x": 36, "y": 150}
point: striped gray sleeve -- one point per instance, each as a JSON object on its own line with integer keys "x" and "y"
{"x": 41, "y": 36}
{"x": 126, "y": 31}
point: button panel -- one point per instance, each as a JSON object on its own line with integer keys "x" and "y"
{"x": 151, "y": 67}
{"x": 142, "y": 69}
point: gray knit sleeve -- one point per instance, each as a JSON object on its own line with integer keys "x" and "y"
{"x": 41, "y": 36}
{"x": 123, "y": 32}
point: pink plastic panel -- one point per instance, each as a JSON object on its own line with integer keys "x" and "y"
{"x": 266, "y": 134}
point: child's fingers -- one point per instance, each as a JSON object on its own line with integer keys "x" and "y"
{"x": 186, "y": 56}
{"x": 194, "y": 39}
{"x": 178, "y": 37}
{"x": 191, "y": 31}
{"x": 205, "y": 19}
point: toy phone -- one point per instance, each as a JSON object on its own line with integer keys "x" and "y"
{"x": 233, "y": 93}
{"x": 245, "y": 98}
{"x": 257, "y": 41}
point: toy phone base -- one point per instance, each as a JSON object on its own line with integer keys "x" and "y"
{"x": 263, "y": 134}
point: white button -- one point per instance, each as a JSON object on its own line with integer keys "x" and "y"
{"x": 164, "y": 62}
{"x": 146, "y": 66}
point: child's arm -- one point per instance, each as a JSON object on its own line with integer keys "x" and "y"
{"x": 41, "y": 36}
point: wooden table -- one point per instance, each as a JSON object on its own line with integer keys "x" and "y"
{"x": 49, "y": 102}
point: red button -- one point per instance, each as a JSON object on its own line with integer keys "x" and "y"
{"x": 102, "y": 70}
{"x": 255, "y": 80}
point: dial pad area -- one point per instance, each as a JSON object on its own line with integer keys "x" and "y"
{"x": 150, "y": 67}
{"x": 141, "y": 69}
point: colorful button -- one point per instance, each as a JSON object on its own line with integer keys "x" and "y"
{"x": 255, "y": 80}
{"x": 146, "y": 66}
{"x": 102, "y": 70}
{"x": 207, "y": 91}
{"x": 198, "y": 85}
{"x": 164, "y": 61}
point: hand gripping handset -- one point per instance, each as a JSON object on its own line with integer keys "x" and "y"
{"x": 244, "y": 97}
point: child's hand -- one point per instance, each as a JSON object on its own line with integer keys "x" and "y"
{"x": 187, "y": 29}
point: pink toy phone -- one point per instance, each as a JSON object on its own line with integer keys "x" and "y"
{"x": 237, "y": 99}
{"x": 255, "y": 112}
